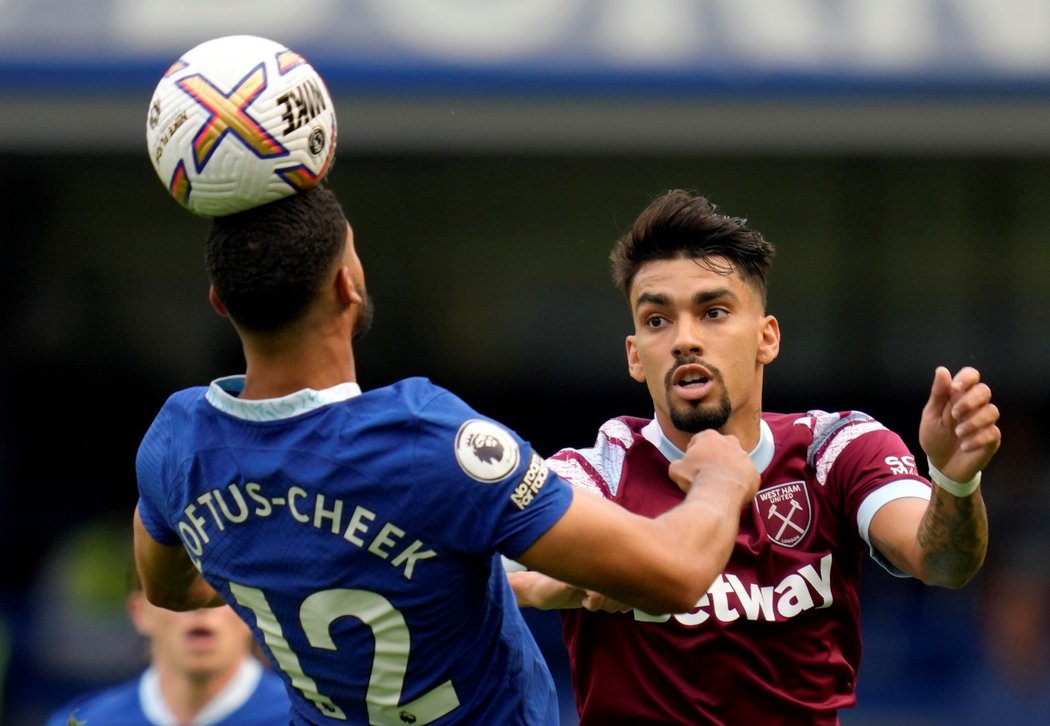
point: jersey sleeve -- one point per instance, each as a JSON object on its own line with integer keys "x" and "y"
{"x": 869, "y": 465}
{"x": 149, "y": 470}
{"x": 598, "y": 469}
{"x": 497, "y": 493}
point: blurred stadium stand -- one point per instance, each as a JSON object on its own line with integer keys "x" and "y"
{"x": 896, "y": 151}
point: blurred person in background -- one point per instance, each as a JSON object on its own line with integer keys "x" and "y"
{"x": 202, "y": 672}
{"x": 776, "y": 639}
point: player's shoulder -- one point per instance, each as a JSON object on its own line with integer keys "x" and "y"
{"x": 621, "y": 432}
{"x": 415, "y": 393}
{"x": 271, "y": 686}
{"x": 114, "y": 705}
{"x": 441, "y": 426}
{"x": 173, "y": 416}
{"x": 614, "y": 437}
{"x": 268, "y": 705}
{"x": 185, "y": 398}
{"x": 177, "y": 408}
{"x": 820, "y": 426}
{"x": 428, "y": 406}
{"x": 826, "y": 439}
{"x": 598, "y": 467}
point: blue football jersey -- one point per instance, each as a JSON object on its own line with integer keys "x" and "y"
{"x": 359, "y": 535}
{"x": 255, "y": 697}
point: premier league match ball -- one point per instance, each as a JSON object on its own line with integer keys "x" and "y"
{"x": 237, "y": 122}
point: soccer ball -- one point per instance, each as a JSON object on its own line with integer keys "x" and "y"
{"x": 237, "y": 122}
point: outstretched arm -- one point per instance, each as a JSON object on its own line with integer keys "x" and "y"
{"x": 169, "y": 578}
{"x": 659, "y": 565}
{"x": 944, "y": 542}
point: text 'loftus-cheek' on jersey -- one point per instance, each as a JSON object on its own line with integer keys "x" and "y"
{"x": 359, "y": 535}
{"x": 781, "y": 623}
{"x": 215, "y": 510}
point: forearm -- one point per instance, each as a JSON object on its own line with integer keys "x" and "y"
{"x": 959, "y": 435}
{"x": 169, "y": 578}
{"x": 599, "y": 547}
{"x": 659, "y": 565}
{"x": 952, "y": 538}
{"x": 190, "y": 591}
{"x": 702, "y": 531}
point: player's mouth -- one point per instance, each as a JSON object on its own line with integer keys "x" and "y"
{"x": 200, "y": 637}
{"x": 692, "y": 381}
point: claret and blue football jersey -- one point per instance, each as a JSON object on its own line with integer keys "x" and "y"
{"x": 781, "y": 622}
{"x": 359, "y": 535}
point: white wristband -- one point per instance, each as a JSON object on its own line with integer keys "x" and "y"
{"x": 955, "y": 488}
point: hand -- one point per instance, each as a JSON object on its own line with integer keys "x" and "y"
{"x": 595, "y": 602}
{"x": 958, "y": 428}
{"x": 711, "y": 457}
{"x": 535, "y": 590}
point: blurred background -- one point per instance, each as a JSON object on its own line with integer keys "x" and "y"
{"x": 897, "y": 152}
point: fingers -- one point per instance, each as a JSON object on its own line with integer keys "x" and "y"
{"x": 596, "y": 602}
{"x": 707, "y": 449}
{"x": 966, "y": 399}
{"x": 964, "y": 379}
{"x": 718, "y": 460}
{"x": 941, "y": 390}
{"x": 713, "y": 443}
{"x": 972, "y": 410}
{"x": 966, "y": 417}
{"x": 986, "y": 438}
{"x": 961, "y": 395}
{"x": 979, "y": 430}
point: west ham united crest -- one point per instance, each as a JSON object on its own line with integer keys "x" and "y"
{"x": 786, "y": 511}
{"x": 485, "y": 451}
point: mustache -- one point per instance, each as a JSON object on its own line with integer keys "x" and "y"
{"x": 688, "y": 360}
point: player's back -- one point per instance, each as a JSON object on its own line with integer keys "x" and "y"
{"x": 357, "y": 537}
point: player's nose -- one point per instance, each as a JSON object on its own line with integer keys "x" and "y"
{"x": 688, "y": 339}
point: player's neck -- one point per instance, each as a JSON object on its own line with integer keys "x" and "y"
{"x": 186, "y": 695}
{"x": 747, "y": 436}
{"x": 275, "y": 370}
{"x": 747, "y": 429}
{"x": 745, "y": 422}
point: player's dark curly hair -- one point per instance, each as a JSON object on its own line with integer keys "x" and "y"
{"x": 680, "y": 224}
{"x": 268, "y": 263}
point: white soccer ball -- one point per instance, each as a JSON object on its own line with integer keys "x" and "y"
{"x": 237, "y": 122}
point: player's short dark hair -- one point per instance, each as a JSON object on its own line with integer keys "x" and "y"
{"x": 268, "y": 263}
{"x": 679, "y": 224}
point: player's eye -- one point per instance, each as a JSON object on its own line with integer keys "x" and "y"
{"x": 716, "y": 313}
{"x": 654, "y": 322}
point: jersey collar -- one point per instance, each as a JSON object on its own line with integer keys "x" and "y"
{"x": 222, "y": 394}
{"x": 760, "y": 456}
{"x": 234, "y": 695}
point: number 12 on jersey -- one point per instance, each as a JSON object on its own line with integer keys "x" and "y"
{"x": 392, "y": 646}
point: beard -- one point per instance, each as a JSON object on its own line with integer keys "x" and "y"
{"x": 365, "y": 314}
{"x": 694, "y": 417}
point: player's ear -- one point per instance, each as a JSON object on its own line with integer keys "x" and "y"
{"x": 346, "y": 289}
{"x": 137, "y": 612}
{"x": 351, "y": 276}
{"x": 769, "y": 340}
{"x": 216, "y": 302}
{"x": 634, "y": 362}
